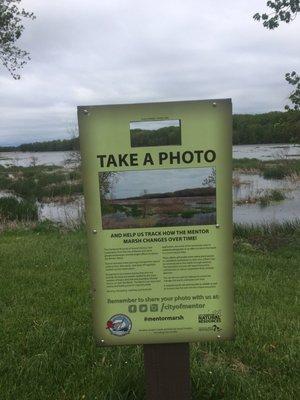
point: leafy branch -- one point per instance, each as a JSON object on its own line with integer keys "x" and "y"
{"x": 11, "y": 29}
{"x": 283, "y": 11}
{"x": 294, "y": 79}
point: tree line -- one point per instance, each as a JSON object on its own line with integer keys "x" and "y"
{"x": 169, "y": 135}
{"x": 272, "y": 127}
{"x": 51, "y": 145}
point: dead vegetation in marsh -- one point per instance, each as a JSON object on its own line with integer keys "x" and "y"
{"x": 266, "y": 237}
{"x": 163, "y": 211}
{"x": 41, "y": 183}
{"x": 263, "y": 198}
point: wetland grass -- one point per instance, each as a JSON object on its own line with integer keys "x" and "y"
{"x": 12, "y": 209}
{"x": 263, "y": 198}
{"x": 273, "y": 169}
{"x": 41, "y": 182}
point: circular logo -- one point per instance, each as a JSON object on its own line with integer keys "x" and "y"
{"x": 119, "y": 325}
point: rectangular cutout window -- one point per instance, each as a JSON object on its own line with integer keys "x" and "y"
{"x": 155, "y": 133}
{"x": 156, "y": 198}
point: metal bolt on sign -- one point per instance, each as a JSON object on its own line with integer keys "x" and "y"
{"x": 94, "y": 231}
{"x": 214, "y": 104}
{"x": 86, "y": 112}
{"x": 217, "y": 226}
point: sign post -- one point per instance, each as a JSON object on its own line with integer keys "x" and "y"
{"x": 167, "y": 371}
{"x": 157, "y": 185}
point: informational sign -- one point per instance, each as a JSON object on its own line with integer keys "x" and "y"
{"x": 157, "y": 184}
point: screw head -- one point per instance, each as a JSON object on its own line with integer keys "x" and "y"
{"x": 217, "y": 226}
{"x": 94, "y": 231}
{"x": 102, "y": 340}
{"x": 86, "y": 112}
{"x": 214, "y": 104}
{"x": 219, "y": 336}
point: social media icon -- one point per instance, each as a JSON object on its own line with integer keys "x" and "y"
{"x": 153, "y": 307}
{"x": 143, "y": 307}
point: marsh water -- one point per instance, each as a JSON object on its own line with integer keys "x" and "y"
{"x": 26, "y": 158}
{"x": 249, "y": 186}
{"x": 266, "y": 152}
{"x": 279, "y": 211}
{"x": 259, "y": 151}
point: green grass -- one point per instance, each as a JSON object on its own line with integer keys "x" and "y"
{"x": 39, "y": 182}
{"x": 12, "y": 209}
{"x": 132, "y": 210}
{"x": 268, "y": 237}
{"x": 271, "y": 195}
{"x": 275, "y": 172}
{"x": 135, "y": 211}
{"x": 46, "y": 344}
{"x": 277, "y": 195}
{"x": 188, "y": 213}
{"x": 206, "y": 210}
{"x": 272, "y": 169}
{"x": 247, "y": 163}
{"x": 288, "y": 229}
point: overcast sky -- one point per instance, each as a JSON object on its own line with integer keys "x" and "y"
{"x": 117, "y": 51}
{"x": 150, "y": 125}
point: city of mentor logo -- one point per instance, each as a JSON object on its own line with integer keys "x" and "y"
{"x": 119, "y": 325}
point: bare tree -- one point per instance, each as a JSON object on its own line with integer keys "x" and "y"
{"x": 73, "y": 158}
{"x": 210, "y": 181}
{"x": 145, "y": 202}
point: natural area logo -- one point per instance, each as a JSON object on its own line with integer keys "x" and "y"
{"x": 119, "y": 325}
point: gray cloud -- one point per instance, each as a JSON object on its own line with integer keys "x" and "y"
{"x": 113, "y": 51}
{"x": 151, "y": 125}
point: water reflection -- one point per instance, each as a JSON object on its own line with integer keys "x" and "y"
{"x": 66, "y": 214}
{"x": 251, "y": 186}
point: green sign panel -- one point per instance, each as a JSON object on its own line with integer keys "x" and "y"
{"x": 157, "y": 183}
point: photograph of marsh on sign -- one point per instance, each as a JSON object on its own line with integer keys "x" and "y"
{"x": 155, "y": 133}
{"x": 154, "y": 198}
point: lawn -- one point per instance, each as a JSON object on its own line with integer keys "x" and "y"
{"x": 46, "y": 344}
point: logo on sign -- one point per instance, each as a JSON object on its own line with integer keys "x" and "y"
{"x": 119, "y": 325}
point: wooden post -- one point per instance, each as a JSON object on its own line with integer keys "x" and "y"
{"x": 167, "y": 371}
